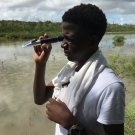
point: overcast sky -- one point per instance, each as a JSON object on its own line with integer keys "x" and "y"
{"x": 117, "y": 11}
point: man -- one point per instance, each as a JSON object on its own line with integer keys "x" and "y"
{"x": 87, "y": 96}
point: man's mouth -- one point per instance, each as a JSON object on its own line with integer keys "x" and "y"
{"x": 66, "y": 53}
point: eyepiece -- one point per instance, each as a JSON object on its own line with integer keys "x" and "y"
{"x": 44, "y": 40}
{"x": 52, "y": 39}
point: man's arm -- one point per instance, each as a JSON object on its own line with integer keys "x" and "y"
{"x": 114, "y": 129}
{"x": 42, "y": 92}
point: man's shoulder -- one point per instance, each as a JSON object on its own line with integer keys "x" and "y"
{"x": 108, "y": 75}
{"x": 106, "y": 78}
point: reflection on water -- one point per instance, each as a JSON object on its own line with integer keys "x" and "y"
{"x": 108, "y": 47}
{"x": 116, "y": 44}
{"x": 18, "y": 113}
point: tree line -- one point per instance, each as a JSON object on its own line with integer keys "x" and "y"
{"x": 13, "y": 29}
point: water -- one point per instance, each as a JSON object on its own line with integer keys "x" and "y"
{"x": 19, "y": 115}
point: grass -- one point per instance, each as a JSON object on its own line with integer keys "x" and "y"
{"x": 124, "y": 67}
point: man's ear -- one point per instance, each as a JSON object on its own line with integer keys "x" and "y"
{"x": 94, "y": 41}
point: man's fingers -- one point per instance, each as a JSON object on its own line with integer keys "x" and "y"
{"x": 49, "y": 116}
{"x": 45, "y": 35}
{"x": 44, "y": 47}
{"x": 38, "y": 50}
{"x": 41, "y": 37}
{"x": 48, "y": 106}
{"x": 49, "y": 46}
{"x": 47, "y": 112}
{"x": 51, "y": 100}
{"x": 35, "y": 49}
{"x": 58, "y": 100}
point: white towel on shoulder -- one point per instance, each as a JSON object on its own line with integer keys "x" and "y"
{"x": 80, "y": 82}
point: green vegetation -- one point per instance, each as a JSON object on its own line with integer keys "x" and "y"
{"x": 118, "y": 40}
{"x": 27, "y": 30}
{"x": 124, "y": 67}
{"x": 118, "y": 28}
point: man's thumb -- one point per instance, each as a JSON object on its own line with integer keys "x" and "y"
{"x": 58, "y": 100}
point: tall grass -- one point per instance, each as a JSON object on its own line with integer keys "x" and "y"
{"x": 124, "y": 67}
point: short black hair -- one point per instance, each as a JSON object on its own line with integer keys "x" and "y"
{"x": 89, "y": 17}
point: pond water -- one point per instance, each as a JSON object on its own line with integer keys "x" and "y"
{"x": 18, "y": 113}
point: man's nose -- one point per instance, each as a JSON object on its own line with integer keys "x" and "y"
{"x": 63, "y": 44}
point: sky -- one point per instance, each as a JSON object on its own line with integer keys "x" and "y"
{"x": 117, "y": 11}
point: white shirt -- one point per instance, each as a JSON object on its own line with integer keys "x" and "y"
{"x": 103, "y": 103}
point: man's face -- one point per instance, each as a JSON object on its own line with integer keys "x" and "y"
{"x": 75, "y": 43}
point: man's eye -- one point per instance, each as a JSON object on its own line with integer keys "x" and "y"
{"x": 69, "y": 39}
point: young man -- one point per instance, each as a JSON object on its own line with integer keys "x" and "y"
{"x": 85, "y": 96}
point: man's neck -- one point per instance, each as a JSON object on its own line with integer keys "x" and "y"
{"x": 82, "y": 62}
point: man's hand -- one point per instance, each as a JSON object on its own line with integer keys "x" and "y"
{"x": 58, "y": 112}
{"x": 42, "y": 52}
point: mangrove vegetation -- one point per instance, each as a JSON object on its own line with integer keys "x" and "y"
{"x": 118, "y": 40}
{"x": 13, "y": 29}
